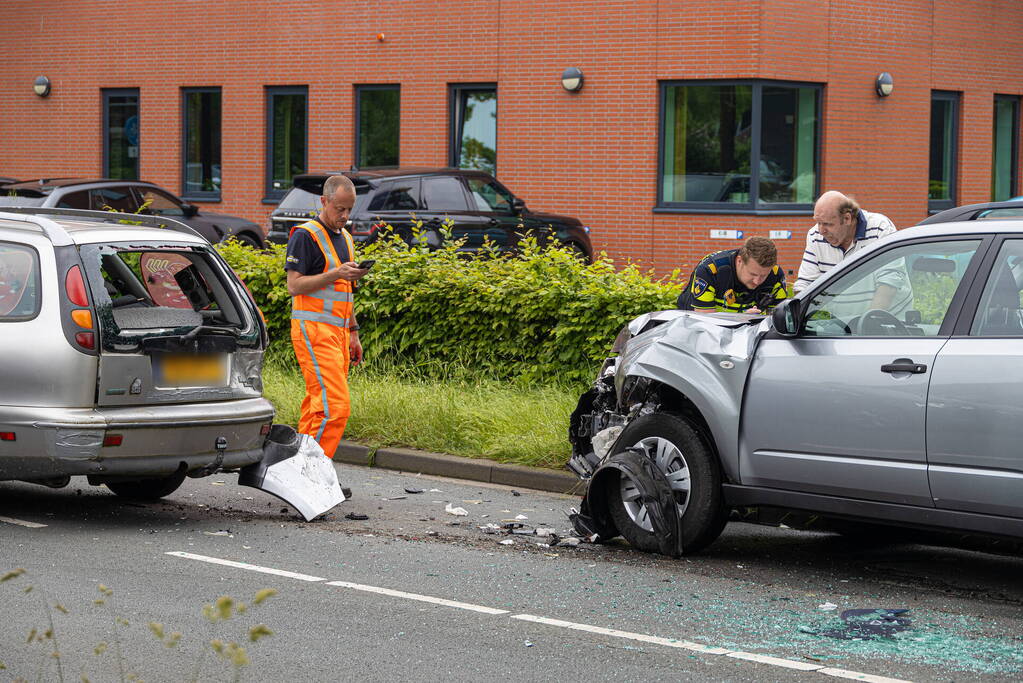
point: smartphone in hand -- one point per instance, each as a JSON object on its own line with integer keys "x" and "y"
{"x": 365, "y": 265}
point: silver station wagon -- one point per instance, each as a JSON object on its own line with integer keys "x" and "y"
{"x": 131, "y": 353}
{"x": 907, "y": 414}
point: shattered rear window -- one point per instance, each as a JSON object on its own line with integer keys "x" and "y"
{"x": 149, "y": 290}
{"x": 19, "y": 282}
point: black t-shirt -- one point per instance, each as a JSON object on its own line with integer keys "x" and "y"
{"x": 304, "y": 255}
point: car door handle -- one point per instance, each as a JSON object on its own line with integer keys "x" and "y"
{"x": 904, "y": 365}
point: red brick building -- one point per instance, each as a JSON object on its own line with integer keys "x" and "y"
{"x": 693, "y": 116}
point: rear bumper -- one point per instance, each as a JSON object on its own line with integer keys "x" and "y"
{"x": 53, "y": 442}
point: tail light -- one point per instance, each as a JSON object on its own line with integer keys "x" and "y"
{"x": 365, "y": 227}
{"x": 79, "y": 324}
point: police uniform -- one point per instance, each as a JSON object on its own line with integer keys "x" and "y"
{"x": 320, "y": 331}
{"x": 715, "y": 286}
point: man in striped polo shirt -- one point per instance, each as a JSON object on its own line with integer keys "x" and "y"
{"x": 842, "y": 229}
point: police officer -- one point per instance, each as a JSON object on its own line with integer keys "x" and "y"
{"x": 324, "y": 333}
{"x": 743, "y": 280}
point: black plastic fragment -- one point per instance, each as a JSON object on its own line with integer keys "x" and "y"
{"x": 870, "y": 624}
{"x": 357, "y": 516}
{"x": 412, "y": 489}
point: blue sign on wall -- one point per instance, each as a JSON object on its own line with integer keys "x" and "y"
{"x": 131, "y": 130}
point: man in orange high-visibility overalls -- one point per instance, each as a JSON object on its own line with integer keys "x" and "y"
{"x": 321, "y": 277}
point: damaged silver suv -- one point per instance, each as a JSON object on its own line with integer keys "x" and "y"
{"x": 852, "y": 402}
{"x": 132, "y": 354}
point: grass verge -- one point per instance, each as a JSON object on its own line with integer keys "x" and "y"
{"x": 454, "y": 413}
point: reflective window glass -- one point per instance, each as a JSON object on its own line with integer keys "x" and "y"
{"x": 202, "y": 142}
{"x": 378, "y": 123}
{"x": 1000, "y": 312}
{"x": 941, "y": 190}
{"x": 475, "y": 128}
{"x": 904, "y": 291}
{"x": 1005, "y": 148}
{"x": 287, "y": 137}
{"x": 443, "y": 193}
{"x": 19, "y": 282}
{"x": 121, "y": 134}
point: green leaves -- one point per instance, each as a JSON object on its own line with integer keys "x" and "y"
{"x": 536, "y": 316}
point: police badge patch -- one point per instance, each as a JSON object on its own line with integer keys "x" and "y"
{"x": 699, "y": 286}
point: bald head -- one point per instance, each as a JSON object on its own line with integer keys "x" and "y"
{"x": 836, "y": 216}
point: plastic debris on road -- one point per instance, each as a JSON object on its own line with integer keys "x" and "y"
{"x": 507, "y": 541}
{"x": 458, "y": 512}
{"x": 412, "y": 489}
{"x": 357, "y": 516}
{"x": 868, "y": 624}
{"x": 827, "y": 606}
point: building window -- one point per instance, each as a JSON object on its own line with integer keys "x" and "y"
{"x": 377, "y": 125}
{"x": 474, "y": 127}
{"x": 941, "y": 183}
{"x": 121, "y": 134}
{"x": 1005, "y": 148}
{"x": 201, "y": 115}
{"x": 739, "y": 146}
{"x": 287, "y": 135}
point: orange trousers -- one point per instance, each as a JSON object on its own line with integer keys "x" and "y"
{"x": 322, "y": 353}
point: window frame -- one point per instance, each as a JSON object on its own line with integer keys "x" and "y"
{"x": 271, "y": 195}
{"x": 955, "y": 97}
{"x": 754, "y": 206}
{"x": 1014, "y": 162}
{"x": 107, "y": 94}
{"x": 360, "y": 88}
{"x": 199, "y": 195}
{"x": 456, "y": 120}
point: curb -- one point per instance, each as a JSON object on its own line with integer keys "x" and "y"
{"x": 473, "y": 469}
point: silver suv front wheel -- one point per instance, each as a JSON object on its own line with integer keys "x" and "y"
{"x": 690, "y": 466}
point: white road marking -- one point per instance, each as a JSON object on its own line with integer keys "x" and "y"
{"x": 775, "y": 661}
{"x": 614, "y": 633}
{"x": 657, "y": 640}
{"x": 21, "y": 522}
{"x": 417, "y": 597}
{"x": 857, "y": 676}
{"x": 245, "y": 565}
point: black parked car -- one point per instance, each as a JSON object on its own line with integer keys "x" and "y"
{"x": 128, "y": 196}
{"x": 477, "y": 204}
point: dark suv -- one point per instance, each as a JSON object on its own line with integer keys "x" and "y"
{"x": 128, "y": 196}
{"x": 476, "y": 203}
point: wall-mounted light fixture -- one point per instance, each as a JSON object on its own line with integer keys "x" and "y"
{"x": 41, "y": 86}
{"x": 572, "y": 79}
{"x": 884, "y": 84}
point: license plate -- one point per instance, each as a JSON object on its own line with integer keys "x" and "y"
{"x": 190, "y": 370}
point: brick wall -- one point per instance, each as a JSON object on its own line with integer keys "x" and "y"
{"x": 592, "y": 154}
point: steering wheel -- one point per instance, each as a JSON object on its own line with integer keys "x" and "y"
{"x": 878, "y": 322}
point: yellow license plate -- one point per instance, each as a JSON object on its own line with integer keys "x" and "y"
{"x": 191, "y": 370}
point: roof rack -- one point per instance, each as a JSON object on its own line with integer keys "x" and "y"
{"x": 59, "y": 236}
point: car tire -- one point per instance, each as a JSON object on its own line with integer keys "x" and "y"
{"x": 147, "y": 489}
{"x": 676, "y": 448}
{"x": 248, "y": 240}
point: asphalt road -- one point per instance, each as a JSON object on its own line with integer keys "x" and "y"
{"x": 416, "y": 592}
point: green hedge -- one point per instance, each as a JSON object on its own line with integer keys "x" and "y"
{"x": 539, "y": 316}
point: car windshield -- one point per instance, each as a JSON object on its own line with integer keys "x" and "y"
{"x": 22, "y": 197}
{"x": 308, "y": 203}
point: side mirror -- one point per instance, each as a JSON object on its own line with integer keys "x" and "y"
{"x": 785, "y": 317}
{"x": 189, "y": 210}
{"x": 518, "y": 206}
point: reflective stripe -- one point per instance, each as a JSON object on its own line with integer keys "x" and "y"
{"x": 319, "y": 378}
{"x": 320, "y": 318}
{"x": 326, "y": 247}
{"x": 331, "y": 295}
